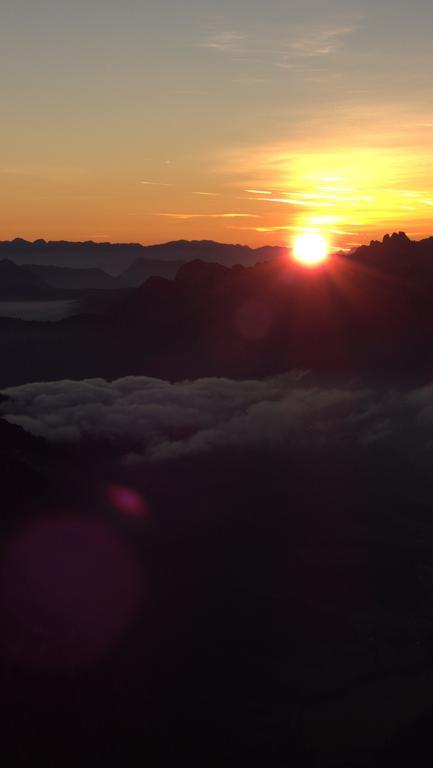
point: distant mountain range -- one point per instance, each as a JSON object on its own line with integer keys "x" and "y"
{"x": 370, "y": 311}
{"x": 42, "y": 270}
{"x": 115, "y": 258}
{"x": 396, "y": 254}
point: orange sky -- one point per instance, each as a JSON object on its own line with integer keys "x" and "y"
{"x": 193, "y": 120}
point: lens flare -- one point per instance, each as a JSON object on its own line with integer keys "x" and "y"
{"x": 70, "y": 589}
{"x": 310, "y": 249}
{"x": 127, "y": 501}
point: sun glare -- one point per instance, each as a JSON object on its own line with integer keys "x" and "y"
{"x": 311, "y": 249}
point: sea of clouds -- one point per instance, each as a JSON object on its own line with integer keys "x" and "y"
{"x": 164, "y": 420}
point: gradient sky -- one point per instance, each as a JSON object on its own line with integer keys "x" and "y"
{"x": 241, "y": 121}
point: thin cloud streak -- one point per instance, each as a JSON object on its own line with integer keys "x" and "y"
{"x": 303, "y": 45}
{"x": 322, "y": 42}
{"x": 186, "y": 216}
{"x": 156, "y": 184}
{"x": 207, "y": 194}
{"x": 227, "y": 40}
{"x": 285, "y": 201}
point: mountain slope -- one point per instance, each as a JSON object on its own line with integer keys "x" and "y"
{"x": 350, "y": 315}
{"x": 142, "y": 269}
{"x": 70, "y": 278}
{"x": 277, "y": 316}
{"x": 398, "y": 256}
{"x": 17, "y": 283}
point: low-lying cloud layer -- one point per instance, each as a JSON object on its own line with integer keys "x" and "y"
{"x": 157, "y": 420}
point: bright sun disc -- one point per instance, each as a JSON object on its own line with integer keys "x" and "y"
{"x": 310, "y": 249}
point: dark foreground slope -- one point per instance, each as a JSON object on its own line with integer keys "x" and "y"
{"x": 355, "y": 314}
{"x": 231, "y": 607}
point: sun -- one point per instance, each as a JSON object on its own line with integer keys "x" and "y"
{"x": 311, "y": 249}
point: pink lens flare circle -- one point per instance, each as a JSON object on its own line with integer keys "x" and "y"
{"x": 70, "y": 589}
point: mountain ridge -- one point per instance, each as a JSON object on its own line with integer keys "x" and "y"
{"x": 115, "y": 258}
{"x": 354, "y": 313}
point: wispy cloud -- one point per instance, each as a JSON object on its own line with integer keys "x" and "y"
{"x": 286, "y": 201}
{"x": 187, "y": 216}
{"x": 225, "y": 40}
{"x": 266, "y": 230}
{"x": 291, "y": 50}
{"x": 207, "y": 194}
{"x": 321, "y": 42}
{"x": 155, "y": 184}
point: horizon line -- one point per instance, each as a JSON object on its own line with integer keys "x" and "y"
{"x": 43, "y": 241}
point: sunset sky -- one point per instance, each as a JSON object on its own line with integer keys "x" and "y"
{"x": 250, "y": 123}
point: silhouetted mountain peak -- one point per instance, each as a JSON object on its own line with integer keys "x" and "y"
{"x": 19, "y": 241}
{"x": 399, "y": 256}
{"x": 397, "y": 242}
{"x": 397, "y": 237}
